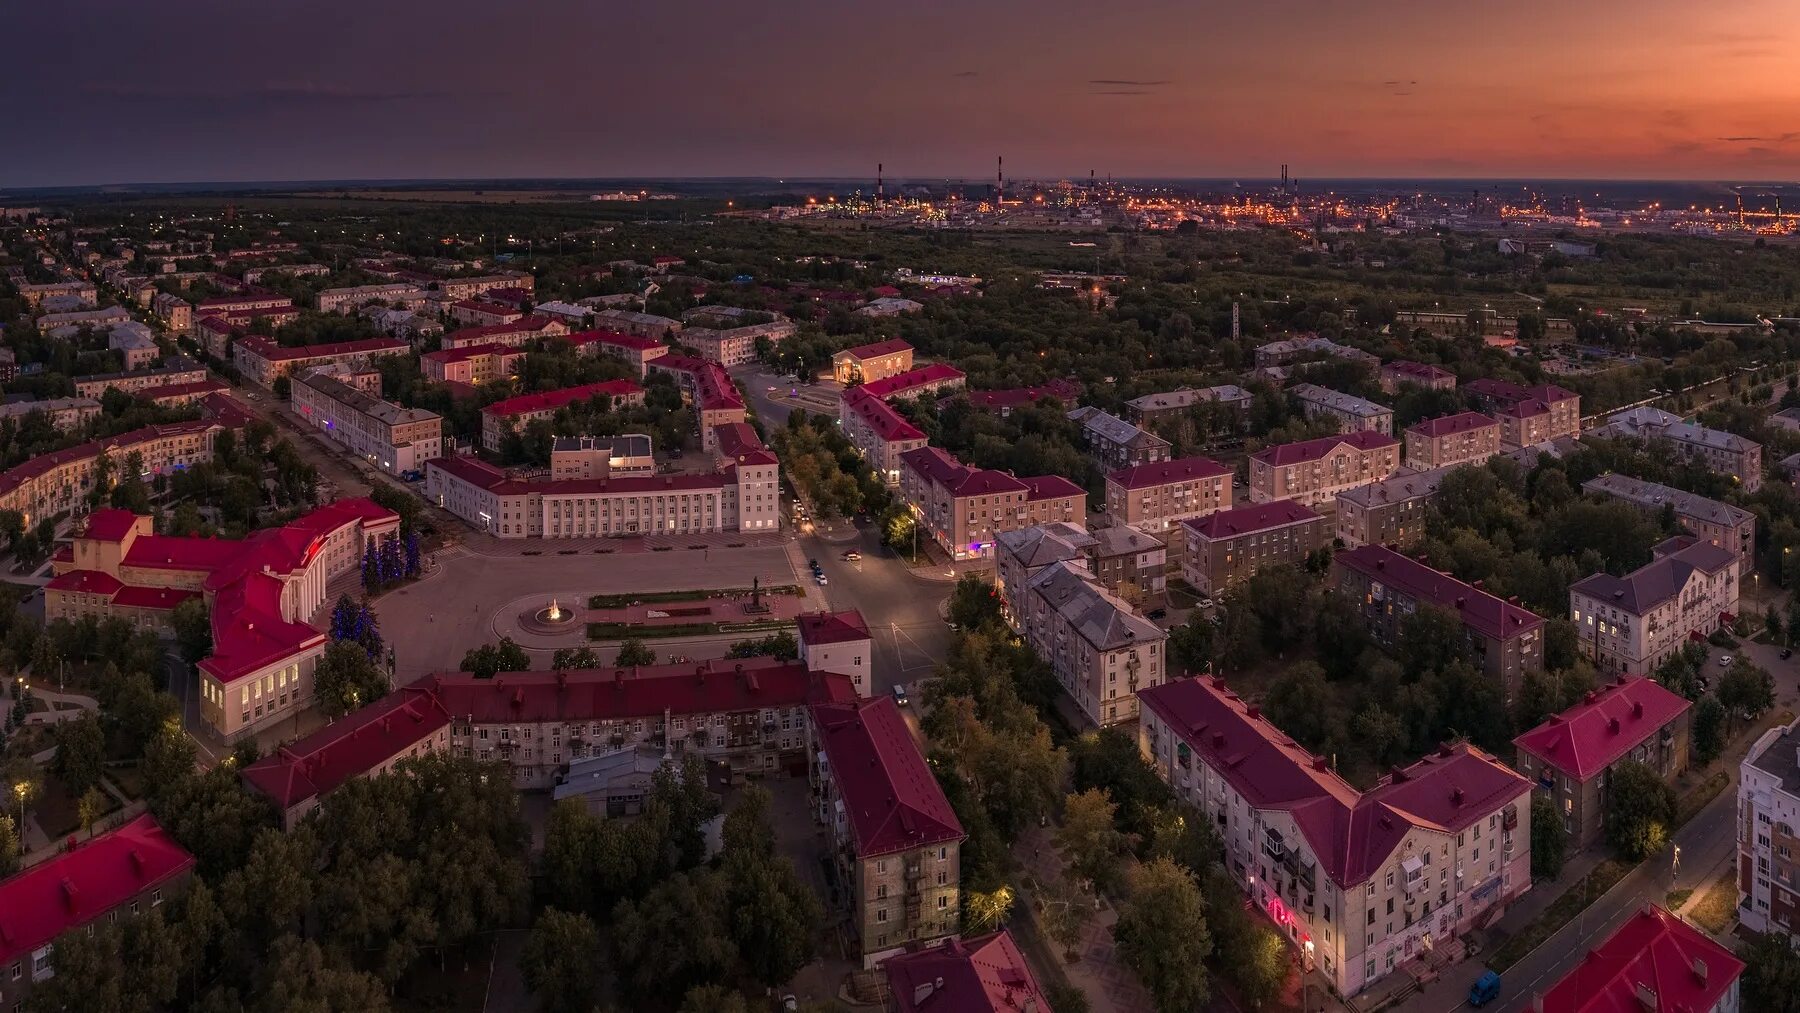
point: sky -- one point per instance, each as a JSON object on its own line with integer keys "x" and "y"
{"x": 103, "y": 91}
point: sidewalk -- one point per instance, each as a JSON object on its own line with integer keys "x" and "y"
{"x": 1100, "y": 973}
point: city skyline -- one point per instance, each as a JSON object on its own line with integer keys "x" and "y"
{"x": 209, "y": 91}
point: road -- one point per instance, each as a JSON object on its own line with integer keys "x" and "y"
{"x": 903, "y": 611}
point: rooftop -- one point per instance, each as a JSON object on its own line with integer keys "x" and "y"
{"x": 1043, "y": 544}
{"x": 1400, "y": 488}
{"x": 74, "y": 888}
{"x": 1248, "y": 519}
{"x": 1654, "y": 961}
{"x": 551, "y": 400}
{"x": 1335, "y": 400}
{"x": 483, "y": 475}
{"x": 888, "y": 347}
{"x": 892, "y": 801}
{"x": 1477, "y": 609}
{"x": 1610, "y": 722}
{"x": 1451, "y": 425}
{"x": 1183, "y": 469}
{"x": 1315, "y": 450}
{"x": 631, "y": 341}
{"x": 980, "y": 974}
{"x": 1652, "y": 495}
{"x": 1657, "y": 581}
{"x": 1100, "y": 617}
{"x": 880, "y": 416}
{"x": 832, "y": 628}
{"x": 269, "y": 350}
{"x": 361, "y": 401}
{"x": 900, "y": 384}
{"x": 348, "y": 747}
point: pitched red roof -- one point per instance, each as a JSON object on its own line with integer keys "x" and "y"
{"x": 268, "y": 350}
{"x": 1352, "y": 833}
{"x": 1610, "y": 722}
{"x": 738, "y": 441}
{"x": 631, "y": 341}
{"x": 901, "y": 384}
{"x": 85, "y": 582}
{"x": 714, "y": 389}
{"x": 936, "y": 465}
{"x": 870, "y": 351}
{"x": 524, "y": 325}
{"x": 1418, "y": 370}
{"x": 1683, "y": 969}
{"x": 891, "y": 799}
{"x": 172, "y": 390}
{"x": 553, "y": 399}
{"x": 109, "y": 524}
{"x": 464, "y": 353}
{"x": 1246, "y": 519}
{"x": 609, "y": 694}
{"x": 832, "y": 628}
{"x": 1043, "y": 487}
{"x": 1450, "y": 425}
{"x": 1014, "y": 397}
{"x": 1184, "y": 469}
{"x": 1507, "y": 392}
{"x": 349, "y": 747}
{"x": 981, "y": 974}
{"x": 1314, "y": 450}
{"x": 1477, "y": 608}
{"x": 43, "y": 464}
{"x": 880, "y": 416}
{"x": 74, "y": 888}
{"x": 485, "y": 306}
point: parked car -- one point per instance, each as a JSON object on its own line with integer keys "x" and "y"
{"x": 1786, "y": 653}
{"x": 852, "y": 556}
{"x": 1204, "y": 603}
{"x": 1725, "y": 660}
{"x": 900, "y": 694}
{"x": 1157, "y": 614}
{"x": 822, "y": 579}
{"x": 1485, "y": 990}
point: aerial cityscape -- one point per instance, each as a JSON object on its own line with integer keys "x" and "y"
{"x": 1096, "y": 523}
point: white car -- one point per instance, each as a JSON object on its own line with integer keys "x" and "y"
{"x": 822, "y": 579}
{"x": 1204, "y": 603}
{"x": 1725, "y": 661}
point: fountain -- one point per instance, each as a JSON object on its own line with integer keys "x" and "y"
{"x": 550, "y": 617}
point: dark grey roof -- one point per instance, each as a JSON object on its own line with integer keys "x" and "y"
{"x": 1657, "y": 581}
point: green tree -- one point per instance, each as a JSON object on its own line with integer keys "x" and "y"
{"x": 560, "y": 961}
{"x": 89, "y": 808}
{"x": 774, "y": 916}
{"x": 11, "y": 848}
{"x": 1639, "y": 809}
{"x": 974, "y": 603}
{"x": 677, "y": 938}
{"x": 713, "y": 999}
{"x": 781, "y": 646}
{"x": 1162, "y": 935}
{"x": 1709, "y": 729}
{"x": 1771, "y": 978}
{"x": 1088, "y": 840}
{"x": 193, "y": 629}
{"x": 1191, "y": 644}
{"x": 567, "y": 658}
{"x": 1066, "y": 910}
{"x": 80, "y": 753}
{"x": 299, "y": 976}
{"x": 1549, "y": 841}
{"x": 633, "y": 652}
{"x": 1746, "y": 690}
{"x": 347, "y": 679}
{"x": 1772, "y": 620}
{"x": 489, "y": 660}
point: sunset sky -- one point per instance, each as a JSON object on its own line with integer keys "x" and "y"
{"x": 101, "y": 91}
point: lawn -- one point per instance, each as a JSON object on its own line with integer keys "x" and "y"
{"x": 619, "y": 601}
{"x": 1717, "y": 908}
{"x": 639, "y": 631}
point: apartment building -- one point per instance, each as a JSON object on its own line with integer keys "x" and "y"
{"x": 734, "y": 498}
{"x": 1130, "y": 563}
{"x": 85, "y": 292}
{"x": 1154, "y": 409}
{"x": 882, "y": 434}
{"x": 876, "y": 361}
{"x": 243, "y": 302}
{"x": 176, "y": 313}
{"x": 636, "y": 350}
{"x": 644, "y": 325}
{"x": 1021, "y": 553}
{"x": 1714, "y": 449}
{"x": 1402, "y": 372}
{"x": 1223, "y": 548}
{"x": 734, "y": 346}
{"x": 1528, "y": 415}
{"x": 63, "y": 413}
{"x": 348, "y": 300}
{"x": 935, "y": 378}
{"x": 1709, "y": 520}
{"x": 1101, "y": 651}
{"x": 1571, "y": 755}
{"x": 520, "y": 332}
{"x": 963, "y": 509}
{"x": 896, "y": 842}
{"x": 747, "y": 716}
{"x": 1632, "y": 624}
{"x": 471, "y": 364}
{"x": 1280, "y": 353}
{"x": 714, "y": 395}
{"x": 1313, "y": 472}
{"x": 981, "y": 974}
{"x": 1390, "y": 512}
{"x": 175, "y": 369}
{"x": 1353, "y": 414}
{"x": 395, "y": 439}
{"x": 1768, "y": 844}
{"x": 838, "y": 642}
{"x": 503, "y": 418}
{"x": 1158, "y": 497}
{"x": 58, "y": 482}
{"x": 183, "y": 393}
{"x": 1463, "y": 438}
{"x": 67, "y": 325}
{"x": 1116, "y": 443}
{"x": 260, "y": 592}
{"x": 135, "y": 342}
{"x": 470, "y": 286}
{"x": 129, "y": 871}
{"x": 481, "y": 313}
{"x": 1506, "y": 640}
{"x": 263, "y": 361}
{"x": 1005, "y": 401}
{"x": 1654, "y": 961}
{"x": 1359, "y": 882}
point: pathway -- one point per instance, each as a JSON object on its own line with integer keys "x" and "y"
{"x": 1101, "y": 972}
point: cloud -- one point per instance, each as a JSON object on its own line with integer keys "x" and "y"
{"x": 1782, "y": 138}
{"x": 967, "y": 73}
{"x": 1740, "y": 140}
{"x": 1133, "y": 92}
{"x": 1127, "y": 84}
{"x": 278, "y": 93}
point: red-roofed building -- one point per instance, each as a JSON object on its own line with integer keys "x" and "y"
{"x": 636, "y": 349}
{"x": 182, "y": 393}
{"x": 1463, "y": 438}
{"x": 1401, "y": 372}
{"x": 1528, "y": 415}
{"x": 930, "y": 379}
{"x": 128, "y": 871}
{"x": 1359, "y": 881}
{"x": 981, "y": 974}
{"x": 471, "y": 364}
{"x": 1630, "y": 718}
{"x": 1003, "y": 402}
{"x": 1506, "y": 639}
{"x": 1313, "y": 472}
{"x": 260, "y": 592}
{"x": 867, "y": 363}
{"x": 258, "y": 300}
{"x": 502, "y": 418}
{"x": 520, "y": 332}
{"x": 881, "y": 433}
{"x": 1654, "y": 962}
{"x": 214, "y": 334}
{"x": 482, "y": 313}
{"x": 838, "y": 642}
{"x": 59, "y": 482}
{"x": 964, "y": 508}
{"x": 896, "y": 840}
{"x": 717, "y": 401}
{"x": 264, "y": 361}
{"x": 1228, "y": 546}
{"x": 1157, "y": 497}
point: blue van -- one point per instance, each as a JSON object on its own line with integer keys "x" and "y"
{"x": 1485, "y": 990}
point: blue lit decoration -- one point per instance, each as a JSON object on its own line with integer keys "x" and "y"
{"x": 352, "y": 621}
{"x": 412, "y": 553}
